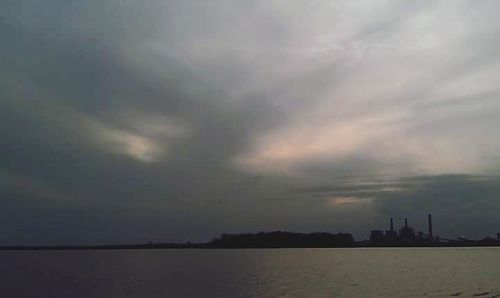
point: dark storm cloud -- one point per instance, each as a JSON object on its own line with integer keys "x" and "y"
{"x": 62, "y": 88}
{"x": 179, "y": 119}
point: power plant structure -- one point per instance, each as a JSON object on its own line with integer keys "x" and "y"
{"x": 405, "y": 235}
{"x": 430, "y": 226}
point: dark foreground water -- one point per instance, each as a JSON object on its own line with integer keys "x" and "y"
{"x": 464, "y": 272}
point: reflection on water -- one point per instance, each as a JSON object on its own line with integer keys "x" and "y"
{"x": 438, "y": 272}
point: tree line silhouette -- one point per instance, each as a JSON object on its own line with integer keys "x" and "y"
{"x": 281, "y": 239}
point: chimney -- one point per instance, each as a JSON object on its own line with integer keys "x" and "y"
{"x": 430, "y": 227}
{"x": 392, "y": 224}
{"x": 406, "y": 222}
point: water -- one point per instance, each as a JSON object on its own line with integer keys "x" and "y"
{"x": 438, "y": 272}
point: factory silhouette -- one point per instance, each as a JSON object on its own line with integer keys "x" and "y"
{"x": 406, "y": 235}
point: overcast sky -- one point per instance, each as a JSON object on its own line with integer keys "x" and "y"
{"x": 134, "y": 121}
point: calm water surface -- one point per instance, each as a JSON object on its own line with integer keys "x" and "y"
{"x": 464, "y": 272}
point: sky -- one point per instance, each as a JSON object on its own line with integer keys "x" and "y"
{"x": 167, "y": 120}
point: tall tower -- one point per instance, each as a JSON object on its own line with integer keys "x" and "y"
{"x": 392, "y": 224}
{"x": 406, "y": 233}
{"x": 431, "y": 237}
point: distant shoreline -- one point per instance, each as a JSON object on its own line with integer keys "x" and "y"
{"x": 271, "y": 240}
{"x": 205, "y": 247}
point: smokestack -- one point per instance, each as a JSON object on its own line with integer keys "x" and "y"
{"x": 406, "y": 222}
{"x": 392, "y": 225}
{"x": 430, "y": 227}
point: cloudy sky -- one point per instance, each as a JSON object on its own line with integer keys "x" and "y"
{"x": 170, "y": 120}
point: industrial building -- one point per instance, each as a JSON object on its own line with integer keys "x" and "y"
{"x": 405, "y": 235}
